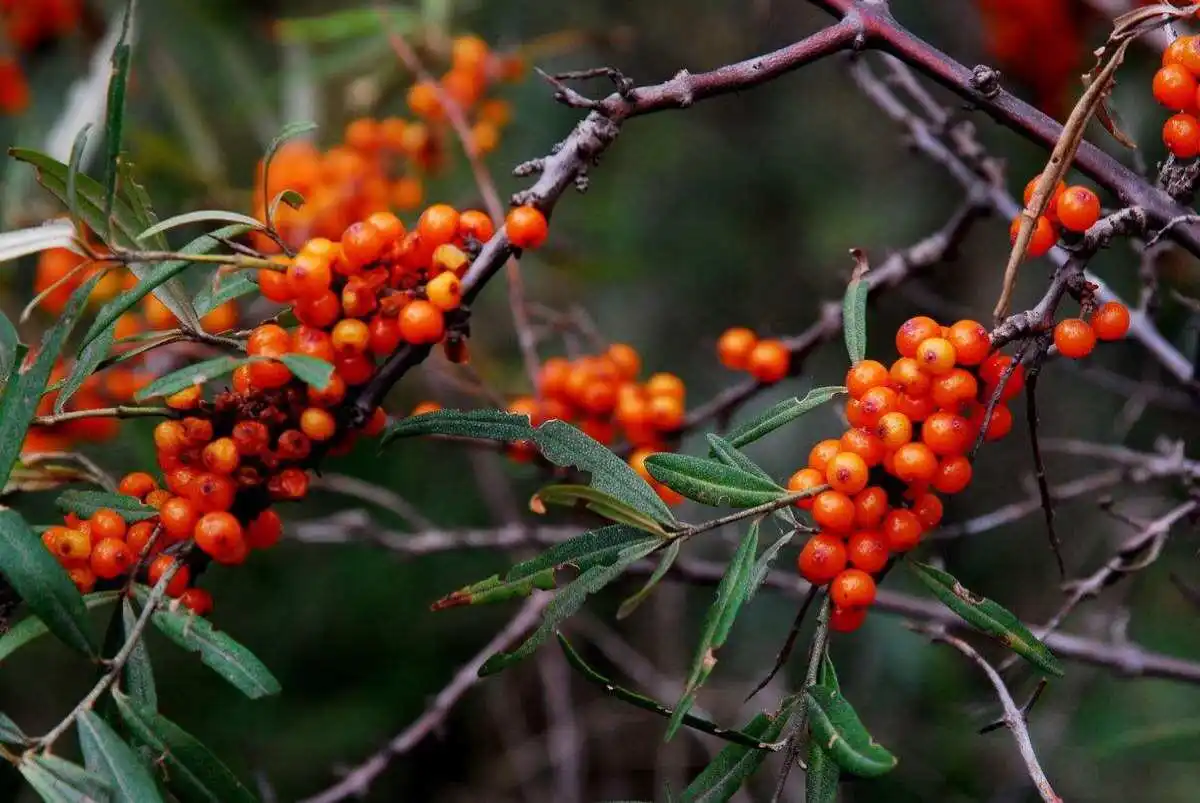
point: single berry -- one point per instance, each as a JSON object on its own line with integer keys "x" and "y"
{"x": 847, "y": 472}
{"x": 1042, "y": 239}
{"x": 953, "y": 475}
{"x": 1078, "y": 209}
{"x": 197, "y": 600}
{"x": 914, "y": 462}
{"x": 526, "y": 227}
{"x": 833, "y": 511}
{"x": 734, "y": 347}
{"x": 1074, "y": 338}
{"x": 769, "y": 361}
{"x": 137, "y": 484}
{"x": 805, "y": 480}
{"x": 824, "y": 451}
{"x": 928, "y": 509}
{"x": 1111, "y": 321}
{"x": 846, "y": 620}
{"x": 853, "y": 588}
{"x": 913, "y": 332}
{"x": 870, "y": 506}
{"x": 865, "y": 375}
{"x": 902, "y": 529}
{"x": 971, "y": 342}
{"x": 179, "y": 580}
{"x": 868, "y": 550}
{"x": 821, "y": 559}
{"x": 1181, "y": 135}
{"x": 936, "y": 356}
{"x": 111, "y": 558}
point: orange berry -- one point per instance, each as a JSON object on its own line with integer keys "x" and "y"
{"x": 268, "y": 340}
{"x": 321, "y": 310}
{"x": 864, "y": 444}
{"x": 876, "y": 403}
{"x": 971, "y": 342}
{"x": 664, "y": 384}
{"x": 1173, "y": 54}
{"x": 385, "y": 335}
{"x": 847, "y": 472}
{"x": 186, "y": 399}
{"x": 198, "y": 431}
{"x": 1078, "y": 209}
{"x": 915, "y": 331}
{"x": 894, "y": 429}
{"x": 947, "y": 433}
{"x": 317, "y": 424}
{"x": 111, "y": 558}
{"x": 309, "y": 276}
{"x": 914, "y": 462}
{"x": 993, "y": 369}
{"x": 139, "y": 535}
{"x": 289, "y": 484}
{"x": 952, "y": 389}
{"x": 928, "y": 509}
{"x": 354, "y": 369}
{"x": 211, "y": 492}
{"x": 734, "y": 347}
{"x": 178, "y": 582}
{"x": 936, "y": 356}
{"x": 626, "y": 360}
{"x": 362, "y": 244}
{"x": 833, "y": 511}
{"x": 83, "y": 577}
{"x": 169, "y": 437}
{"x": 250, "y": 437}
{"x": 363, "y": 134}
{"x": 197, "y": 600}
{"x": 768, "y": 361}
{"x": 269, "y": 374}
{"x": 421, "y": 322}
{"x": 902, "y": 530}
{"x": 953, "y": 475}
{"x": 870, "y": 506}
{"x": 853, "y": 588}
{"x": 241, "y": 380}
{"x": 664, "y": 412}
{"x": 805, "y": 480}
{"x": 824, "y": 451}
{"x": 1181, "y": 135}
{"x": 868, "y": 550}
{"x": 221, "y": 456}
{"x": 444, "y": 291}
{"x": 137, "y": 484}
{"x": 107, "y": 523}
{"x": 476, "y": 224}
{"x": 1074, "y": 338}
{"x": 821, "y": 559}
{"x": 438, "y": 224}
{"x": 526, "y": 227}
{"x": 1052, "y": 205}
{"x": 1041, "y": 241}
{"x": 1111, "y": 321}
{"x": 846, "y": 620}
{"x": 1000, "y": 424}
{"x": 376, "y": 423}
{"x": 865, "y": 375}
{"x": 447, "y": 257}
{"x": 350, "y": 336}
{"x": 906, "y": 376}
{"x": 68, "y": 544}
{"x": 180, "y": 480}
{"x": 156, "y": 498}
{"x": 423, "y": 100}
{"x": 275, "y": 285}
{"x": 312, "y": 342}
{"x": 264, "y": 530}
{"x": 219, "y": 534}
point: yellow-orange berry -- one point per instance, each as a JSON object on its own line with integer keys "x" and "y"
{"x": 734, "y": 347}
{"x": 526, "y": 227}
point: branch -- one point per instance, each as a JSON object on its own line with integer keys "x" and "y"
{"x": 1014, "y": 715}
{"x": 358, "y": 781}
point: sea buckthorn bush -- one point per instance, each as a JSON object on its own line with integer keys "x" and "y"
{"x": 312, "y": 348}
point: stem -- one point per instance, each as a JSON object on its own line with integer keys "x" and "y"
{"x": 239, "y": 261}
{"x": 120, "y": 411}
{"x": 796, "y": 729}
{"x": 750, "y": 512}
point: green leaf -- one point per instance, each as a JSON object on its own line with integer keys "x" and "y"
{"x": 726, "y": 773}
{"x": 732, "y": 592}
{"x": 57, "y": 779}
{"x": 854, "y": 318}
{"x": 108, "y": 757}
{"x": 128, "y": 223}
{"x": 565, "y": 445}
{"x": 355, "y": 24}
{"x": 85, "y": 503}
{"x": 77, "y": 149}
{"x": 9, "y": 340}
{"x": 779, "y": 414}
{"x": 43, "y": 583}
{"x": 568, "y": 601}
{"x": 31, "y": 627}
{"x": 10, "y": 732}
{"x": 493, "y": 589}
{"x": 244, "y": 223}
{"x": 495, "y": 425}
{"x": 598, "y": 502}
{"x": 836, "y": 727}
{"x": 233, "y": 285}
{"x": 156, "y": 277}
{"x": 762, "y": 566}
{"x": 647, "y": 704}
{"x": 115, "y": 122}
{"x": 821, "y": 779}
{"x": 630, "y": 604}
{"x": 138, "y": 672}
{"x": 138, "y": 198}
{"x": 218, "y": 651}
{"x": 987, "y": 617}
{"x": 195, "y": 374}
{"x": 710, "y": 482}
{"x": 193, "y": 772}
{"x": 290, "y": 197}
{"x": 86, "y": 363}
{"x": 289, "y": 131}
{"x": 728, "y": 454}
{"x": 24, "y": 389}
{"x": 310, "y": 370}
{"x": 597, "y": 547}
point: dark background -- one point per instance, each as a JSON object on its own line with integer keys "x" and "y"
{"x": 738, "y": 211}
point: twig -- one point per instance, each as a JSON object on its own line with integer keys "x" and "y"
{"x": 1039, "y": 466}
{"x": 795, "y": 729}
{"x": 359, "y": 780}
{"x": 1014, "y": 715}
{"x": 120, "y": 411}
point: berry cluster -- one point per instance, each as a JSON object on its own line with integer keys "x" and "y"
{"x": 1074, "y": 209}
{"x": 380, "y": 163}
{"x": 1076, "y": 337}
{"x": 28, "y": 24}
{"x": 911, "y": 426}
{"x": 1175, "y": 87}
{"x": 740, "y": 349}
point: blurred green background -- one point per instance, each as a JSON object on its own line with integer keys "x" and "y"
{"x": 739, "y": 211}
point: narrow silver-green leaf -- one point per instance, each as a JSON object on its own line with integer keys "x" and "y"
{"x": 10, "y": 732}
{"x": 854, "y": 318}
{"x": 32, "y": 627}
{"x": 494, "y": 589}
{"x": 592, "y": 548}
{"x": 73, "y": 166}
{"x": 733, "y": 590}
{"x": 196, "y": 374}
{"x": 193, "y": 773}
{"x": 835, "y": 726}
{"x": 762, "y": 566}
{"x": 779, "y": 414}
{"x": 987, "y": 617}
{"x": 310, "y": 370}
{"x": 65, "y": 779}
{"x": 86, "y": 363}
{"x": 138, "y": 675}
{"x": 630, "y": 604}
{"x": 599, "y": 502}
{"x": 823, "y": 773}
{"x": 115, "y": 119}
{"x": 728, "y": 454}
{"x": 348, "y": 24}
{"x": 244, "y": 222}
{"x": 495, "y": 425}
{"x": 85, "y": 503}
{"x": 42, "y": 583}
{"x": 232, "y": 286}
{"x": 108, "y": 756}
{"x": 710, "y": 482}
{"x": 9, "y": 340}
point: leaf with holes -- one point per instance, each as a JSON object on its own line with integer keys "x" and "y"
{"x": 107, "y": 756}
{"x": 733, "y": 590}
{"x": 193, "y": 773}
{"x": 85, "y": 503}
{"x": 710, "y": 482}
{"x": 217, "y": 650}
{"x": 569, "y": 600}
{"x": 779, "y": 414}
{"x": 32, "y": 627}
{"x": 43, "y": 583}
{"x": 598, "y": 502}
{"x": 836, "y": 727}
{"x": 987, "y": 617}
